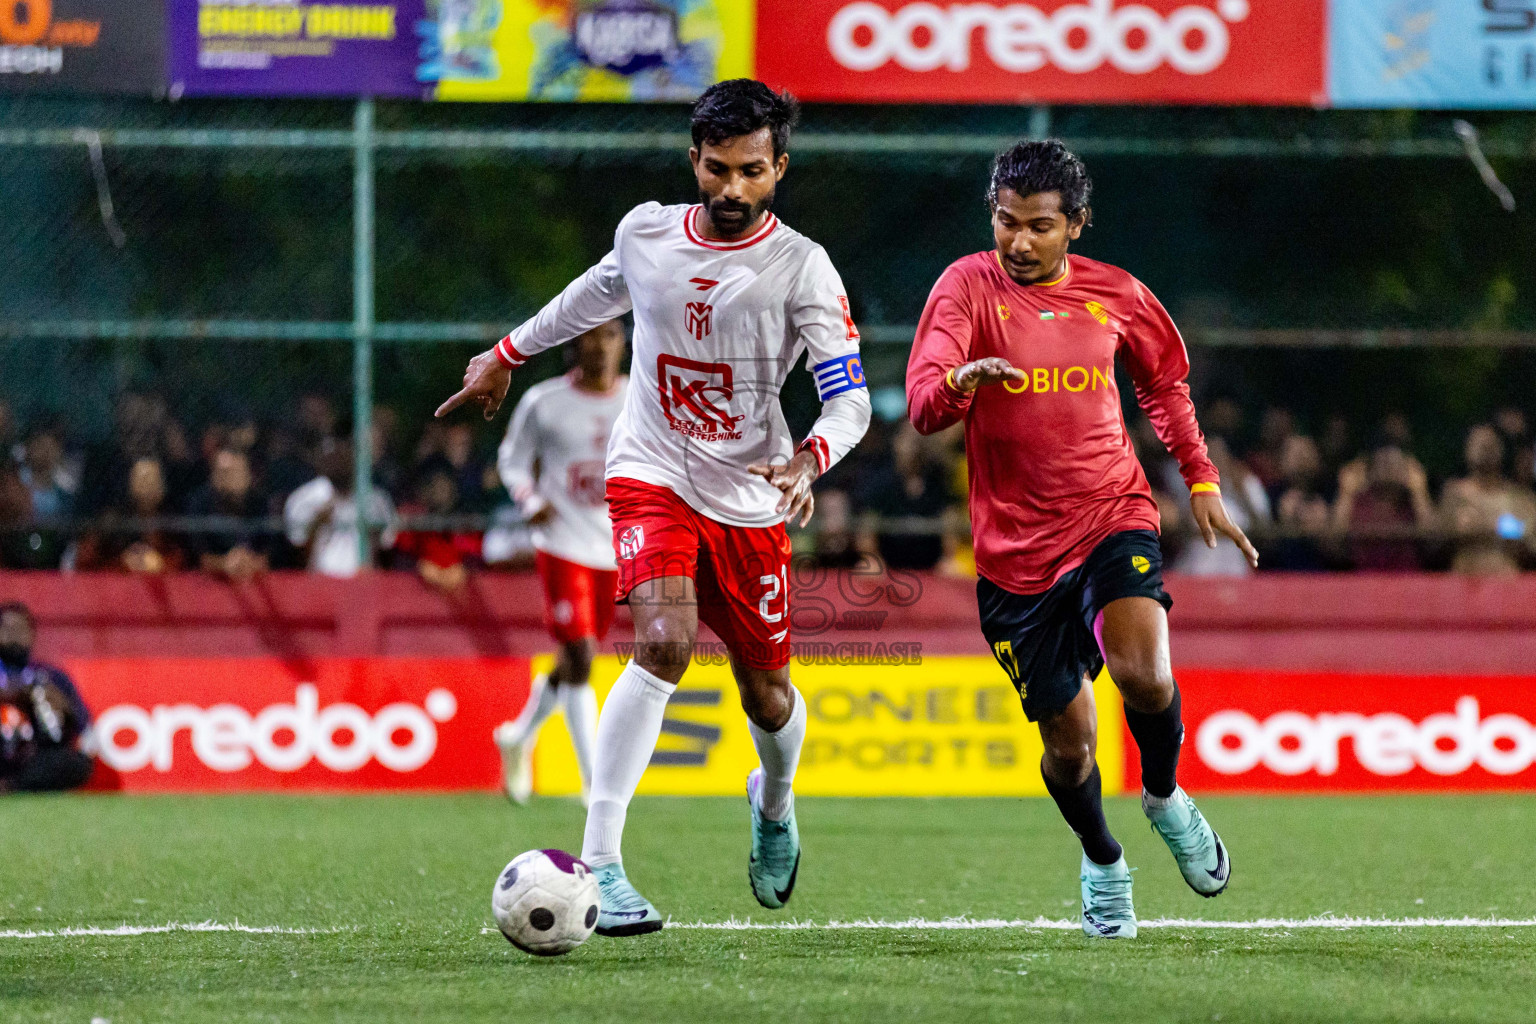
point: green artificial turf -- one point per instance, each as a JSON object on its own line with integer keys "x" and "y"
{"x": 406, "y": 882}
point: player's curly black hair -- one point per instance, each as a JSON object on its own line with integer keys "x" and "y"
{"x": 1043, "y": 166}
{"x": 741, "y": 106}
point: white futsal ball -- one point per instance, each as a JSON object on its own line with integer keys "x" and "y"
{"x": 545, "y": 902}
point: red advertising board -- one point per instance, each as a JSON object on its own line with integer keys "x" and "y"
{"x": 1249, "y": 730}
{"x": 315, "y": 724}
{"x": 1048, "y": 51}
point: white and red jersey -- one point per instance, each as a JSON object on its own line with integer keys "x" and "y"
{"x": 718, "y": 325}
{"x": 563, "y": 430}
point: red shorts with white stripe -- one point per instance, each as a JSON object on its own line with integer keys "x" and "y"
{"x": 740, "y": 573}
{"x": 578, "y": 599}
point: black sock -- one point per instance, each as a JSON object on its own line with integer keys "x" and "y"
{"x": 1083, "y": 807}
{"x": 1158, "y": 737}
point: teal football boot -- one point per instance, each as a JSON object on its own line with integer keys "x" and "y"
{"x": 624, "y": 911}
{"x": 775, "y": 860}
{"x": 1201, "y": 857}
{"x": 1107, "y": 910}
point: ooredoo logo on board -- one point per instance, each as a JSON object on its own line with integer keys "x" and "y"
{"x": 1214, "y": 51}
{"x": 283, "y": 737}
{"x": 1386, "y": 744}
{"x": 1260, "y": 730}
{"x": 325, "y": 723}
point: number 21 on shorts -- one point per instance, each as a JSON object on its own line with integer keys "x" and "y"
{"x": 778, "y": 590}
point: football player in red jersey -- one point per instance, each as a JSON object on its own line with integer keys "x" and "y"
{"x": 1020, "y": 342}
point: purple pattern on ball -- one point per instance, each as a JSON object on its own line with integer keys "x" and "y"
{"x": 564, "y": 861}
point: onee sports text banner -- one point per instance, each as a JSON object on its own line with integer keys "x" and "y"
{"x": 1252, "y": 730}
{"x": 115, "y": 46}
{"x": 1045, "y": 51}
{"x": 944, "y": 726}
{"x": 315, "y": 724}
{"x": 1432, "y": 53}
{"x": 238, "y": 48}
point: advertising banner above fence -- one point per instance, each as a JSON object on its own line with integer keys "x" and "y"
{"x": 1047, "y": 51}
{"x": 235, "y": 48}
{"x": 1432, "y": 53}
{"x": 609, "y": 50}
{"x": 319, "y": 724}
{"x": 114, "y": 46}
{"x": 1382, "y": 53}
{"x": 1309, "y": 731}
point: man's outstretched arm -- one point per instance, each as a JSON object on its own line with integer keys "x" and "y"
{"x": 592, "y": 299}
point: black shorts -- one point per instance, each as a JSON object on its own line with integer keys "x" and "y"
{"x": 1045, "y": 641}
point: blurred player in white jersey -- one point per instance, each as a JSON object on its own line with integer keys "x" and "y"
{"x": 552, "y": 462}
{"x": 702, "y": 471}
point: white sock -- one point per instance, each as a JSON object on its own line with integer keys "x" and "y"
{"x": 1174, "y": 806}
{"x": 579, "y": 703}
{"x": 627, "y": 731}
{"x": 779, "y": 753}
{"x": 542, "y": 701}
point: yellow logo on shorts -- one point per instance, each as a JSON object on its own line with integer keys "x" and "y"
{"x": 1141, "y": 563}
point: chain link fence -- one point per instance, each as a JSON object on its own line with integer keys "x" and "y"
{"x": 177, "y": 278}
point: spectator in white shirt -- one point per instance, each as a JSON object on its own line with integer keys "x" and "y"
{"x": 321, "y": 516}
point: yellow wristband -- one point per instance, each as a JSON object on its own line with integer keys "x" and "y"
{"x": 1205, "y": 489}
{"x": 949, "y": 378}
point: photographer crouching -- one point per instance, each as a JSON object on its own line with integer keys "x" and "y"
{"x": 44, "y": 725}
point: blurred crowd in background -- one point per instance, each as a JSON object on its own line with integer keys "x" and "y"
{"x": 238, "y": 496}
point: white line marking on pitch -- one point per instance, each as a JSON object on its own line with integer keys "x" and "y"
{"x": 1056, "y": 924}
{"x": 161, "y": 929}
{"x": 910, "y": 924}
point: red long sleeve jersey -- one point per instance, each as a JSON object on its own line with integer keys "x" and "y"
{"x": 1052, "y": 471}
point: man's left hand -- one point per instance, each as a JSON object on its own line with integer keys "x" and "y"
{"x": 794, "y": 478}
{"x": 1211, "y": 517}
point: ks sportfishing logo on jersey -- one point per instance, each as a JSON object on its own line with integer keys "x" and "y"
{"x": 696, "y": 398}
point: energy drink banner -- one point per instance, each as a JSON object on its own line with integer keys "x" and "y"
{"x": 115, "y": 46}
{"x": 263, "y": 48}
{"x": 607, "y": 50}
{"x": 1432, "y": 53}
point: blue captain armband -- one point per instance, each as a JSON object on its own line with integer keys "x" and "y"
{"x": 833, "y": 377}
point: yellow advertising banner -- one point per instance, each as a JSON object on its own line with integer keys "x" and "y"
{"x": 605, "y": 50}
{"x": 948, "y": 726}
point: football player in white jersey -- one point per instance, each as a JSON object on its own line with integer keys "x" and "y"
{"x": 552, "y": 462}
{"x": 702, "y": 471}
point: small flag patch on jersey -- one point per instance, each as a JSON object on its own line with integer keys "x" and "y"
{"x": 1046, "y": 314}
{"x": 843, "y": 373}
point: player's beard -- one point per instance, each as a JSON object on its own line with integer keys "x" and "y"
{"x": 739, "y": 217}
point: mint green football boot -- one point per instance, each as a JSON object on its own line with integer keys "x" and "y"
{"x": 775, "y": 860}
{"x": 1107, "y": 910}
{"x": 624, "y": 911}
{"x": 1198, "y": 850}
